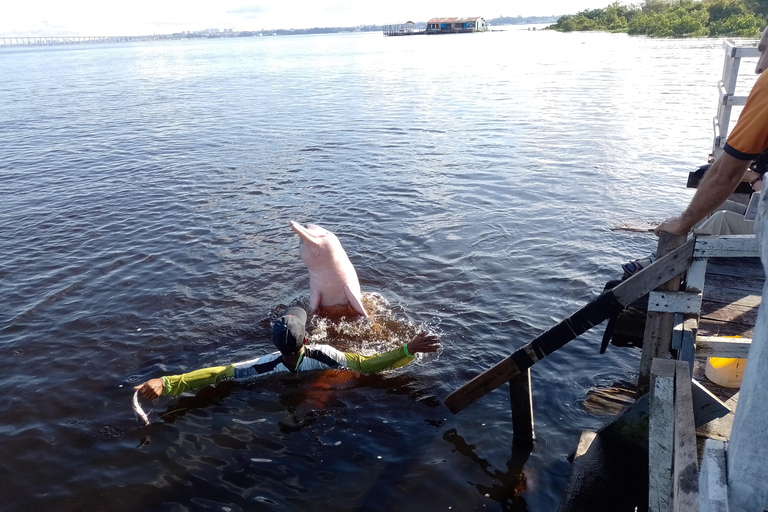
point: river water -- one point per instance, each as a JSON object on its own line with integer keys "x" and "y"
{"x": 473, "y": 180}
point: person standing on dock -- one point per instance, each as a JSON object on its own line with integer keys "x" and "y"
{"x": 745, "y": 143}
{"x": 747, "y": 449}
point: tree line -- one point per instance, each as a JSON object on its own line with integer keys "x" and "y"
{"x": 673, "y": 18}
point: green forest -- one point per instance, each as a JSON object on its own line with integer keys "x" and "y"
{"x": 673, "y": 18}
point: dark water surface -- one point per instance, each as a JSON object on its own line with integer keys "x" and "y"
{"x": 473, "y": 180}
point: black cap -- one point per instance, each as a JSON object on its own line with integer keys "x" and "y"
{"x": 288, "y": 331}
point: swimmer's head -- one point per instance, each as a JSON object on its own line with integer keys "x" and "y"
{"x": 288, "y": 331}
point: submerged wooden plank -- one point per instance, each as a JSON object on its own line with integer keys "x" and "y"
{"x": 686, "y": 471}
{"x": 661, "y": 434}
{"x": 522, "y": 407}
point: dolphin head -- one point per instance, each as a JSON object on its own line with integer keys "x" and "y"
{"x": 315, "y": 242}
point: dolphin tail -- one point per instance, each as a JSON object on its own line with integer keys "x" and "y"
{"x": 355, "y": 300}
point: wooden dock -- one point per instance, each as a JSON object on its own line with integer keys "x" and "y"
{"x": 701, "y": 290}
{"x": 732, "y": 293}
{"x": 703, "y": 293}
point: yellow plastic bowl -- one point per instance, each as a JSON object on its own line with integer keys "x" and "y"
{"x": 725, "y": 371}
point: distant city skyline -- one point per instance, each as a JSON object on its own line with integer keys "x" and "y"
{"x": 141, "y": 17}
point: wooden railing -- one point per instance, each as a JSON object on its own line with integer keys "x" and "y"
{"x": 676, "y": 404}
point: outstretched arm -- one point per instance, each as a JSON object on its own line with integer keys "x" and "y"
{"x": 719, "y": 182}
{"x": 422, "y": 342}
{"x": 177, "y": 384}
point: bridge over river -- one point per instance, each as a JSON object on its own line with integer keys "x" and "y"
{"x": 48, "y": 41}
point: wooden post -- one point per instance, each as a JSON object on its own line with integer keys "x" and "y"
{"x": 686, "y": 470}
{"x": 658, "y": 326}
{"x": 661, "y": 434}
{"x": 522, "y": 408}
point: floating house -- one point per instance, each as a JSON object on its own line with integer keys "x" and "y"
{"x": 438, "y": 26}
{"x": 454, "y": 25}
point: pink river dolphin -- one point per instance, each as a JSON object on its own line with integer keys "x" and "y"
{"x": 333, "y": 284}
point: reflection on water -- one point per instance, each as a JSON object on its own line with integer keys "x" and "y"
{"x": 504, "y": 486}
{"x": 148, "y": 189}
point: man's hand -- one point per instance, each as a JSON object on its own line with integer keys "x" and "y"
{"x": 424, "y": 342}
{"x": 151, "y": 389}
{"x": 673, "y": 225}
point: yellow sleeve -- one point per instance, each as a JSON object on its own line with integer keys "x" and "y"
{"x": 176, "y": 384}
{"x": 377, "y": 362}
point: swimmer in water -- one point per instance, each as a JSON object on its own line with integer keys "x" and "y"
{"x": 289, "y": 336}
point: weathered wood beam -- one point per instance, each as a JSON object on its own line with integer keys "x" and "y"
{"x": 714, "y": 346}
{"x": 674, "y": 302}
{"x": 661, "y": 434}
{"x": 713, "y": 487}
{"x": 685, "y": 467}
{"x": 732, "y": 246}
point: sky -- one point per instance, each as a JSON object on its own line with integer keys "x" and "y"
{"x": 144, "y": 17}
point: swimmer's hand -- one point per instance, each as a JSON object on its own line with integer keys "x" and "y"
{"x": 424, "y": 342}
{"x": 151, "y": 389}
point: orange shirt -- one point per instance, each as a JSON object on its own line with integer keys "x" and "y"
{"x": 750, "y": 136}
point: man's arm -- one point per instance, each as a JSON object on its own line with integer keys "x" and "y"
{"x": 719, "y": 182}
{"x": 177, "y": 384}
{"x": 422, "y": 342}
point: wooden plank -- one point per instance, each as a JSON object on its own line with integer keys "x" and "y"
{"x": 674, "y": 302}
{"x": 687, "y": 351}
{"x": 708, "y": 327}
{"x": 522, "y": 407}
{"x": 660, "y": 271}
{"x": 729, "y": 313}
{"x": 737, "y": 267}
{"x": 654, "y": 275}
{"x": 658, "y": 326}
{"x": 731, "y": 296}
{"x": 631, "y": 427}
{"x": 685, "y": 476}
{"x": 713, "y": 478}
{"x": 706, "y": 406}
{"x": 727, "y": 282}
{"x": 695, "y": 277}
{"x": 713, "y": 346}
{"x": 742, "y": 246}
{"x": 661, "y": 434}
{"x": 677, "y": 333}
